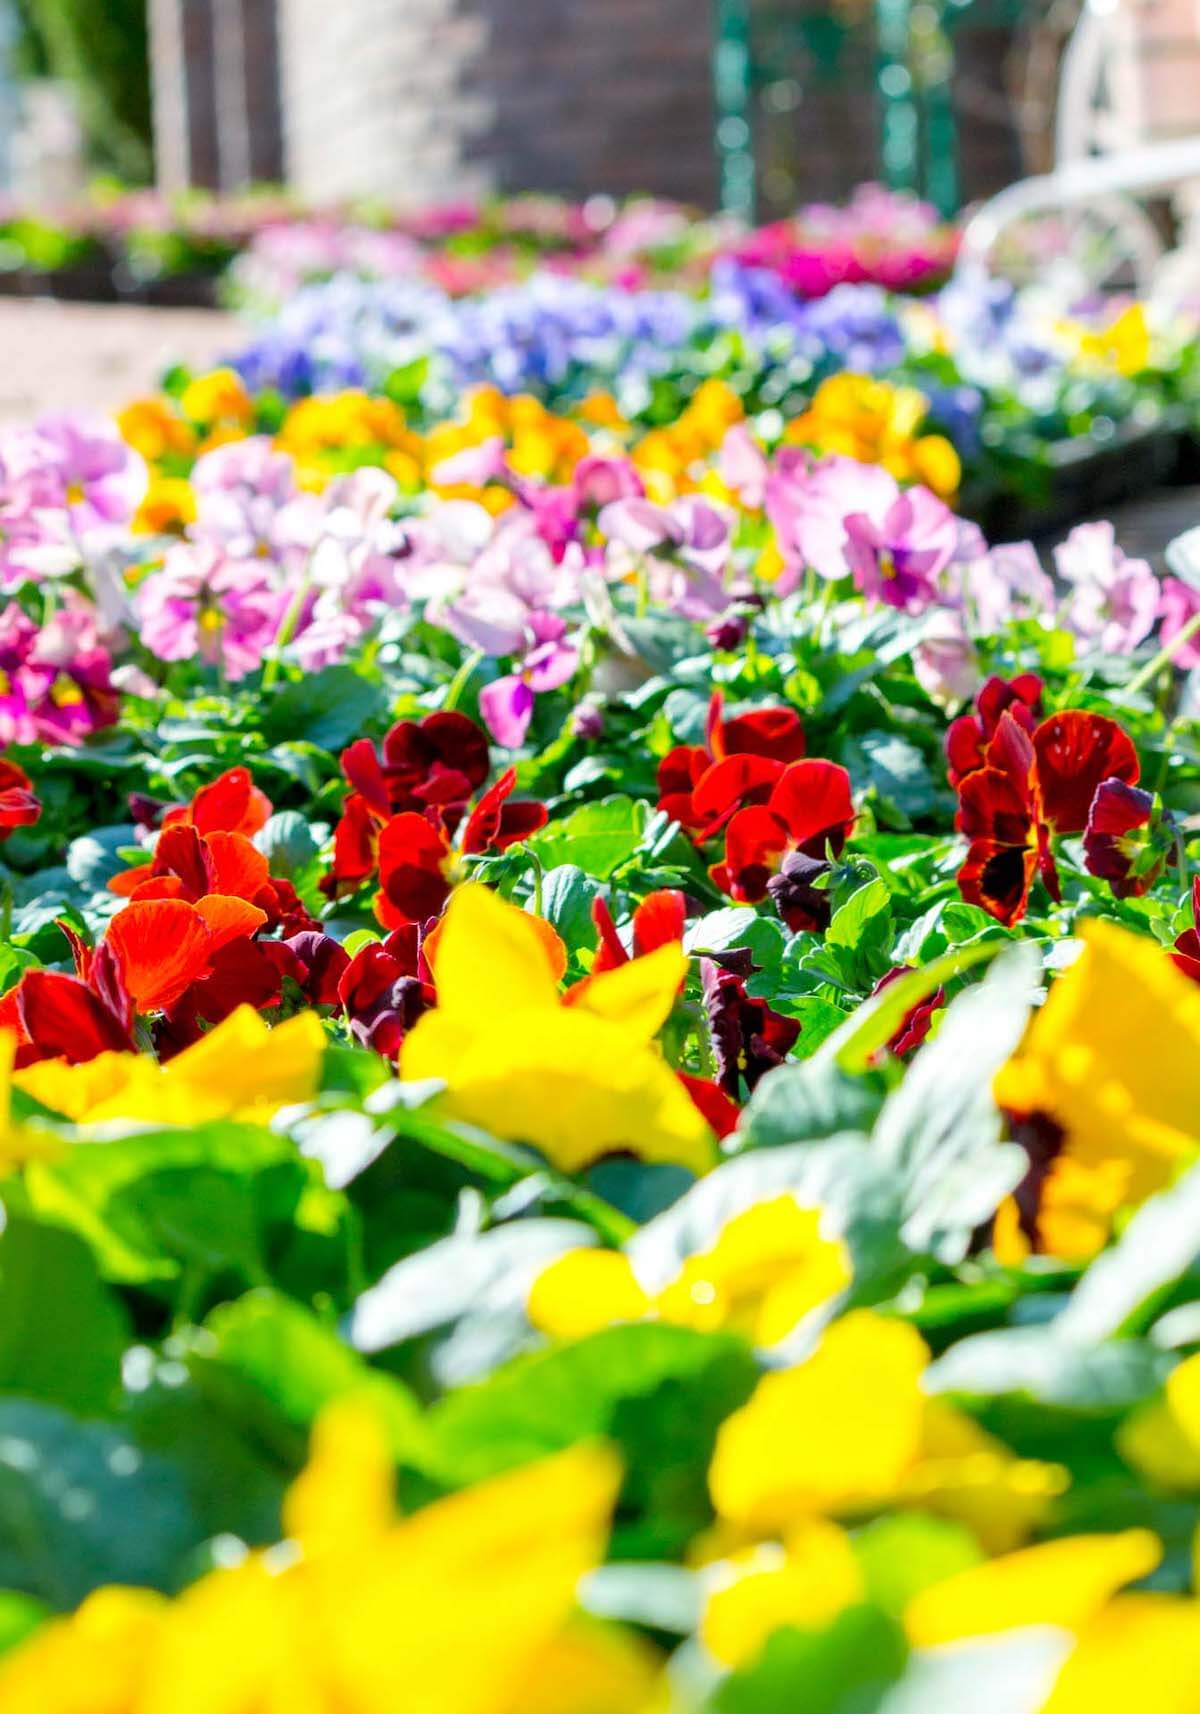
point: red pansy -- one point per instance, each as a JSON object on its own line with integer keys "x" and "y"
{"x": 1030, "y": 787}
{"x": 1186, "y": 956}
{"x": 19, "y": 807}
{"x": 699, "y": 785}
{"x": 969, "y": 735}
{"x": 809, "y": 809}
{"x": 1128, "y": 840}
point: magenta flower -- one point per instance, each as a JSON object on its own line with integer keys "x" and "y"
{"x": 686, "y": 547}
{"x": 1179, "y": 602}
{"x": 55, "y": 684}
{"x": 1113, "y": 599}
{"x": 897, "y": 559}
{"x": 598, "y": 481}
{"x": 204, "y": 606}
{"x": 507, "y": 703}
{"x": 944, "y": 661}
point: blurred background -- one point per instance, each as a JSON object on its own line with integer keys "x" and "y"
{"x": 752, "y": 105}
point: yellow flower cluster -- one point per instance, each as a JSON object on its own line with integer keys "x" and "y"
{"x": 877, "y": 422}
{"x": 464, "y": 1608}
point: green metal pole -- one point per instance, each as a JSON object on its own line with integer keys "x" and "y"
{"x": 899, "y": 120}
{"x": 732, "y": 96}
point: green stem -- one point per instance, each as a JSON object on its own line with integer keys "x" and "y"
{"x": 286, "y": 631}
{"x": 461, "y": 679}
{"x": 1163, "y": 658}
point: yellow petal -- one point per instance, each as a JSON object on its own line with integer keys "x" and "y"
{"x": 344, "y": 1498}
{"x": 251, "y": 1066}
{"x": 638, "y": 995}
{"x": 490, "y": 958}
{"x": 1063, "y": 1583}
{"x": 807, "y": 1585}
{"x": 964, "y": 1473}
{"x": 832, "y": 1435}
{"x": 91, "y": 1663}
{"x": 573, "y": 1085}
{"x": 1141, "y": 1655}
{"x": 585, "y": 1290}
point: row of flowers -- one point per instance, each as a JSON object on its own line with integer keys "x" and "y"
{"x": 598, "y": 1028}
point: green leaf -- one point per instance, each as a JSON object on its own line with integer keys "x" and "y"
{"x": 660, "y": 1393}
{"x": 941, "y": 1129}
{"x": 62, "y": 1332}
{"x": 876, "y": 1021}
{"x": 803, "y": 1102}
{"x": 328, "y": 708}
{"x": 905, "y": 1553}
{"x": 82, "y": 1505}
{"x": 596, "y": 837}
{"x": 1036, "y": 1362}
{"x": 567, "y": 895}
{"x": 842, "y": 1669}
{"x": 20, "y": 1616}
{"x": 859, "y": 935}
{"x": 287, "y": 843}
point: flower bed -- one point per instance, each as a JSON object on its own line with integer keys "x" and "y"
{"x": 600, "y": 1031}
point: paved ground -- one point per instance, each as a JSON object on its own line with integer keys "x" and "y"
{"x": 56, "y": 356}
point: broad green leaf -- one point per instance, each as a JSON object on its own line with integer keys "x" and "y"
{"x": 62, "y": 1331}
{"x": 597, "y": 837}
{"x": 843, "y": 1669}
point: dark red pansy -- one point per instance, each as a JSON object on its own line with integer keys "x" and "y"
{"x": 712, "y": 1102}
{"x": 323, "y": 962}
{"x": 773, "y": 732}
{"x": 1076, "y": 750}
{"x": 383, "y": 991}
{"x": 1126, "y": 843}
{"x": 733, "y": 783}
{"x": 497, "y": 822}
{"x": 810, "y": 809}
{"x": 355, "y": 848}
{"x": 1186, "y": 956}
{"x": 748, "y": 1038}
{"x": 801, "y": 904}
{"x": 914, "y": 1026}
{"x": 679, "y": 773}
{"x": 441, "y": 759}
{"x": 19, "y": 806}
{"x": 969, "y": 735}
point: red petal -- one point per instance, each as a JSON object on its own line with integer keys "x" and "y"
{"x": 65, "y": 1020}
{"x": 184, "y": 852}
{"x": 229, "y": 918}
{"x": 611, "y": 953}
{"x": 355, "y": 841}
{"x": 774, "y": 732}
{"x": 964, "y": 748}
{"x": 483, "y": 823}
{"x": 518, "y": 819}
{"x": 162, "y": 947}
{"x": 813, "y": 801}
{"x": 1075, "y": 751}
{"x": 231, "y": 804}
{"x": 997, "y": 878}
{"x": 361, "y": 766}
{"x": 732, "y": 784}
{"x": 995, "y": 805}
{"x": 680, "y": 768}
{"x": 238, "y": 868}
{"x": 659, "y": 920}
{"x": 710, "y": 1100}
{"x": 412, "y": 881}
{"x": 714, "y": 728}
{"x": 754, "y": 840}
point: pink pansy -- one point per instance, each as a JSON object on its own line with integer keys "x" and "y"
{"x": 203, "y": 605}
{"x": 598, "y": 481}
{"x": 80, "y": 465}
{"x": 475, "y": 466}
{"x": 808, "y": 504}
{"x": 1179, "y": 602}
{"x": 507, "y": 703}
{"x": 1113, "y": 599}
{"x": 944, "y": 661}
{"x": 686, "y": 547}
{"x": 999, "y": 585}
{"x": 897, "y": 559}
{"x": 742, "y": 466}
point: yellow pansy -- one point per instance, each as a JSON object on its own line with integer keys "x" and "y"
{"x": 850, "y": 1430}
{"x": 577, "y": 1081}
{"x": 1141, "y": 1655}
{"x": 768, "y": 1267}
{"x": 220, "y": 397}
{"x": 1113, "y": 1059}
{"x": 877, "y": 422}
{"x": 168, "y": 506}
{"x": 446, "y": 1611}
{"x": 154, "y": 428}
{"x": 1124, "y": 345}
{"x": 20, "y": 1142}
{"x": 241, "y": 1069}
{"x": 1064, "y": 1583}
{"x": 804, "y": 1582}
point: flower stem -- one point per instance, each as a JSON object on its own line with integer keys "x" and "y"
{"x": 460, "y": 681}
{"x": 1163, "y": 658}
